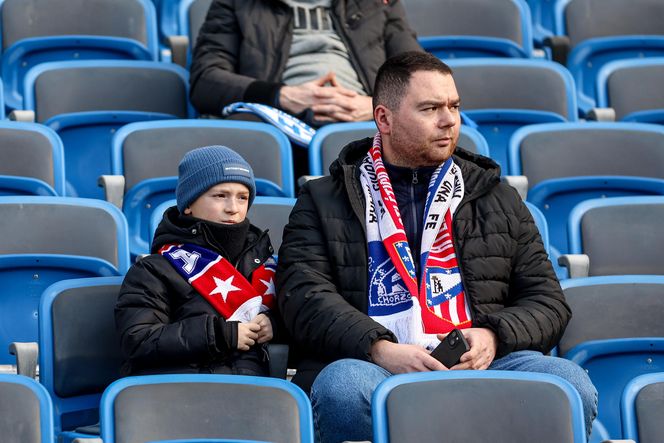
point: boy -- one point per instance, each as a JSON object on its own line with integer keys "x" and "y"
{"x": 200, "y": 302}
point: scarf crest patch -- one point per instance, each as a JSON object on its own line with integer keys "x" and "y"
{"x": 414, "y": 311}
{"x": 223, "y": 286}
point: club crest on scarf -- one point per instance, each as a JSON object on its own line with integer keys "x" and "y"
{"x": 414, "y": 312}
{"x": 217, "y": 280}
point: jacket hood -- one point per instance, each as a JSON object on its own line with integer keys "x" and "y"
{"x": 479, "y": 173}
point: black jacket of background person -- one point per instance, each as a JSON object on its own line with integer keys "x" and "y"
{"x": 243, "y": 47}
{"x": 322, "y": 271}
{"x": 165, "y": 326}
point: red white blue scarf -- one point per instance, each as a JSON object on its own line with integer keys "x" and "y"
{"x": 217, "y": 280}
{"x": 414, "y": 312}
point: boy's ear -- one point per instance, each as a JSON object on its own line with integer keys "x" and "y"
{"x": 187, "y": 211}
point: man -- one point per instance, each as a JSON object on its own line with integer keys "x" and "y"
{"x": 316, "y": 59}
{"x": 408, "y": 238}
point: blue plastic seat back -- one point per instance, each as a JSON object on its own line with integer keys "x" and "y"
{"x": 641, "y": 407}
{"x": 191, "y": 16}
{"x": 188, "y": 406}
{"x": 472, "y": 28}
{"x": 26, "y": 410}
{"x": 271, "y": 214}
{"x": 621, "y": 235}
{"x": 86, "y": 102}
{"x": 79, "y": 349}
{"x": 502, "y": 95}
{"x": 148, "y": 154}
{"x": 542, "y": 13}
{"x": 31, "y": 160}
{"x": 601, "y": 31}
{"x": 39, "y": 31}
{"x": 568, "y": 163}
{"x": 478, "y": 405}
{"x": 329, "y": 140}
{"x": 633, "y": 89}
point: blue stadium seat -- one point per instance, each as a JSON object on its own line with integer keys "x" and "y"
{"x": 47, "y": 239}
{"x": 26, "y": 412}
{"x": 641, "y": 407}
{"x": 567, "y": 163}
{"x": 188, "y": 406}
{"x": 37, "y": 31}
{"x": 147, "y": 154}
{"x": 542, "y": 14}
{"x": 615, "y": 334}
{"x": 85, "y": 102}
{"x": 79, "y": 350}
{"x": 601, "y": 31}
{"x": 496, "y": 406}
{"x": 502, "y": 95}
{"x": 633, "y": 89}
{"x": 31, "y": 160}
{"x": 472, "y": 28}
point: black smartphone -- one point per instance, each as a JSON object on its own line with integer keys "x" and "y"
{"x": 450, "y": 350}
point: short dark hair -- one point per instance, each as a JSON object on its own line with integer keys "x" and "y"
{"x": 394, "y": 75}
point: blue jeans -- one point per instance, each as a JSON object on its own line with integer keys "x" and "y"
{"x": 341, "y": 394}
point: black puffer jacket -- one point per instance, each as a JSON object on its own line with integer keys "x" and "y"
{"x": 166, "y": 326}
{"x": 322, "y": 270}
{"x": 243, "y": 47}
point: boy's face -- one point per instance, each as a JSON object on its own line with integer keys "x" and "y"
{"x": 225, "y": 203}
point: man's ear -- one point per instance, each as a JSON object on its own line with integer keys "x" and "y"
{"x": 383, "y": 119}
{"x": 187, "y": 211}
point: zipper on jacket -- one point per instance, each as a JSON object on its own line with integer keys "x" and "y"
{"x": 416, "y": 260}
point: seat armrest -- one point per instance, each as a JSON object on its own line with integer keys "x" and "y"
{"x": 518, "y": 182}
{"x": 618, "y": 441}
{"x": 88, "y": 440}
{"x": 578, "y": 265}
{"x": 113, "y": 188}
{"x": 278, "y": 360}
{"x": 560, "y": 46}
{"x": 179, "y": 45}
{"x": 601, "y": 115}
{"x": 26, "y": 358}
{"x": 22, "y": 116}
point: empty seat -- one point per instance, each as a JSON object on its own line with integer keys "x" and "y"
{"x": 566, "y": 163}
{"x": 170, "y": 407}
{"x": 147, "y": 154}
{"x": 642, "y": 404}
{"x": 472, "y": 28}
{"x": 38, "y": 31}
{"x": 26, "y": 412}
{"x": 616, "y": 334}
{"x": 502, "y": 95}
{"x": 47, "y": 239}
{"x": 633, "y": 89}
{"x": 31, "y": 160}
{"x": 601, "y": 31}
{"x": 496, "y": 406}
{"x": 86, "y": 102}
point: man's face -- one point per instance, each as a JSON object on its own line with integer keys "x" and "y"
{"x": 225, "y": 203}
{"x": 424, "y": 129}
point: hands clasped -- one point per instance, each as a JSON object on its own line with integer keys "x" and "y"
{"x": 329, "y": 101}
{"x": 258, "y": 330}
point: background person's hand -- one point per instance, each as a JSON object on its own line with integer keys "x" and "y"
{"x": 401, "y": 358}
{"x": 265, "y": 333}
{"x": 247, "y": 334}
{"x": 483, "y": 345}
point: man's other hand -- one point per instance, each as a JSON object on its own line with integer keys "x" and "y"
{"x": 483, "y": 345}
{"x": 401, "y": 358}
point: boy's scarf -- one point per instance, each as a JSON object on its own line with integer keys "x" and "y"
{"x": 217, "y": 280}
{"x": 415, "y": 313}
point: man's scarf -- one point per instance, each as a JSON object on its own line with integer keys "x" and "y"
{"x": 415, "y": 313}
{"x": 217, "y": 280}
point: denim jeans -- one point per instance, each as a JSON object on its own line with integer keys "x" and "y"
{"x": 341, "y": 394}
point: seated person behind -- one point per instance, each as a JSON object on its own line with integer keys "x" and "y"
{"x": 200, "y": 302}
{"x": 316, "y": 59}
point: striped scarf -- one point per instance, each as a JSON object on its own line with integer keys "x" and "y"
{"x": 413, "y": 312}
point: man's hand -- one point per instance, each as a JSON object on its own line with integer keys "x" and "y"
{"x": 348, "y": 107}
{"x": 247, "y": 334}
{"x": 483, "y": 345}
{"x": 265, "y": 333}
{"x": 402, "y": 358}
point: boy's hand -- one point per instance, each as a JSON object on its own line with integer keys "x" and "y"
{"x": 247, "y": 334}
{"x": 265, "y": 333}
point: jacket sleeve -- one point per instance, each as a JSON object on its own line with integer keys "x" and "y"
{"x": 214, "y": 81}
{"x": 320, "y": 319}
{"x": 399, "y": 37}
{"x": 149, "y": 338}
{"x": 536, "y": 314}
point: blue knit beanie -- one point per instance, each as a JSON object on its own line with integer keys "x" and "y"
{"x": 202, "y": 168}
